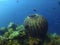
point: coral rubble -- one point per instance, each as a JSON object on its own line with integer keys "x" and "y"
{"x": 32, "y": 32}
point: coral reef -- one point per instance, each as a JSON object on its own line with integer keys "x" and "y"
{"x": 34, "y": 31}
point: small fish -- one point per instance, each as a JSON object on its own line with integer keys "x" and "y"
{"x": 17, "y": 1}
{"x": 34, "y": 10}
{"x": 53, "y": 8}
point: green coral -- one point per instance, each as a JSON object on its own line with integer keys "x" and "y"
{"x": 10, "y": 30}
{"x": 6, "y": 35}
{"x": 14, "y": 34}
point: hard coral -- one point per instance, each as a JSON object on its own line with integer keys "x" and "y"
{"x": 36, "y": 25}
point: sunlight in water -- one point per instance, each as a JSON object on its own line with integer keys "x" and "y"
{"x": 3, "y": 0}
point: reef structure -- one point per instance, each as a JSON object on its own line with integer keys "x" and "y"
{"x": 34, "y": 31}
{"x": 36, "y": 25}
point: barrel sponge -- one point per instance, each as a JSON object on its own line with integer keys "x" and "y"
{"x": 36, "y": 25}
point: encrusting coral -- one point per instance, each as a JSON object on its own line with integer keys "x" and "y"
{"x": 32, "y": 32}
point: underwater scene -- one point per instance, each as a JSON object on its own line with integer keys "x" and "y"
{"x": 29, "y": 22}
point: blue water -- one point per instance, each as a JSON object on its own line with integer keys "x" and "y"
{"x": 13, "y": 11}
